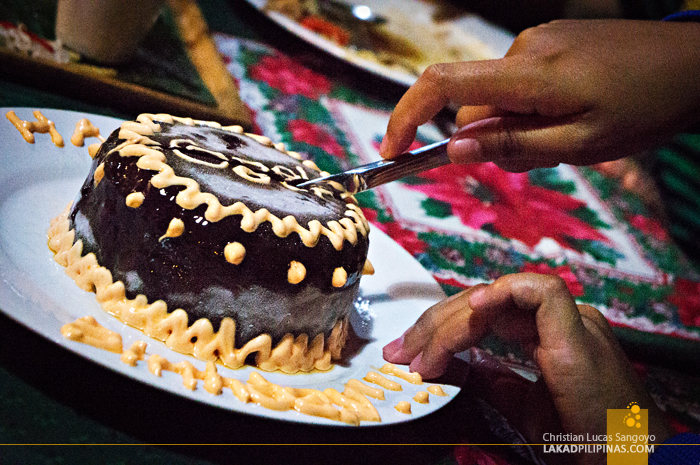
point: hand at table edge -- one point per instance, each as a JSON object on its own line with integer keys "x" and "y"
{"x": 584, "y": 370}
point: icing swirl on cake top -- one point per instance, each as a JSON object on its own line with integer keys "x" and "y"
{"x": 141, "y": 139}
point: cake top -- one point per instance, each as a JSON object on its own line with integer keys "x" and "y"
{"x": 234, "y": 173}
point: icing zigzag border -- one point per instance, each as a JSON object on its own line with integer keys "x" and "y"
{"x": 290, "y": 355}
{"x": 137, "y": 143}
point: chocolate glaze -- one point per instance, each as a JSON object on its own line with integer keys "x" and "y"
{"x": 190, "y": 271}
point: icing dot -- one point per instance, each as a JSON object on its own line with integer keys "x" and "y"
{"x": 236, "y": 128}
{"x": 340, "y": 277}
{"x": 94, "y": 148}
{"x": 436, "y": 390}
{"x": 135, "y": 199}
{"x": 422, "y": 397}
{"x": 403, "y": 407}
{"x": 264, "y": 140}
{"x": 311, "y": 164}
{"x": 99, "y": 173}
{"x": 175, "y": 229}
{"x": 368, "y": 269}
{"x": 234, "y": 253}
{"x": 296, "y": 273}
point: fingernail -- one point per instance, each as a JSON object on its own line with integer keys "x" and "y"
{"x": 476, "y": 299}
{"x": 466, "y": 150}
{"x": 384, "y": 147}
{"x": 416, "y": 365}
{"x": 393, "y": 350}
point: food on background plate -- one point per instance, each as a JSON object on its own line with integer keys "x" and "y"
{"x": 410, "y": 41}
{"x": 195, "y": 234}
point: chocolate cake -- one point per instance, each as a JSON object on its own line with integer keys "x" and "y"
{"x": 208, "y": 220}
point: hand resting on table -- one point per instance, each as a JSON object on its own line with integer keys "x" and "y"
{"x": 584, "y": 370}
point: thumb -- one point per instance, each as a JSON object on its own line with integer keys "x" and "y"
{"x": 518, "y": 142}
{"x": 527, "y": 405}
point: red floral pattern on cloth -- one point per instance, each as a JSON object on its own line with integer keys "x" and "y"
{"x": 289, "y": 76}
{"x": 313, "y": 134}
{"x": 686, "y": 297}
{"x": 516, "y": 208}
{"x": 404, "y": 237}
{"x": 649, "y": 226}
{"x": 563, "y": 271}
{"x": 297, "y": 106}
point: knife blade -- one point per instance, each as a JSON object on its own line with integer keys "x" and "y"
{"x": 371, "y": 175}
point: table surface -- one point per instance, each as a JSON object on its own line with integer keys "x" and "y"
{"x": 335, "y": 115}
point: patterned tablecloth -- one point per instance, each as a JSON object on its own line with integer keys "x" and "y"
{"x": 470, "y": 224}
{"x": 467, "y": 225}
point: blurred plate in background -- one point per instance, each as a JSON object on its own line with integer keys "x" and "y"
{"x": 410, "y": 40}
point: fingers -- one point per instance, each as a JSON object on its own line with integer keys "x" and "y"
{"x": 509, "y": 115}
{"x": 546, "y": 298}
{"x": 581, "y": 363}
{"x": 536, "y": 311}
{"x": 443, "y": 330}
{"x": 462, "y": 330}
{"x": 519, "y": 142}
{"x": 467, "y": 83}
{"x": 471, "y": 149}
{"x": 471, "y": 113}
{"x": 404, "y": 349}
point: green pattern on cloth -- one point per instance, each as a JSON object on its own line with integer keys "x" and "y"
{"x": 676, "y": 167}
{"x": 468, "y": 224}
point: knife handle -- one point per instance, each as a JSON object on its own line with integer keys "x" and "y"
{"x": 380, "y": 172}
{"x": 409, "y": 163}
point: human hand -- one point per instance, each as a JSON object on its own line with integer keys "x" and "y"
{"x": 583, "y": 368}
{"x": 577, "y": 92}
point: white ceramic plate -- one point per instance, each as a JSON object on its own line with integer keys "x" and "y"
{"x": 468, "y": 37}
{"x": 38, "y": 180}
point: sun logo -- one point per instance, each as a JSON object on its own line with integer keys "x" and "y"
{"x": 632, "y": 418}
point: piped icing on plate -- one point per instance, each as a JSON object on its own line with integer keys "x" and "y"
{"x": 195, "y": 234}
{"x": 352, "y": 406}
{"x": 42, "y": 125}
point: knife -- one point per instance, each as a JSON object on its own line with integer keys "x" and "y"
{"x": 371, "y": 175}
